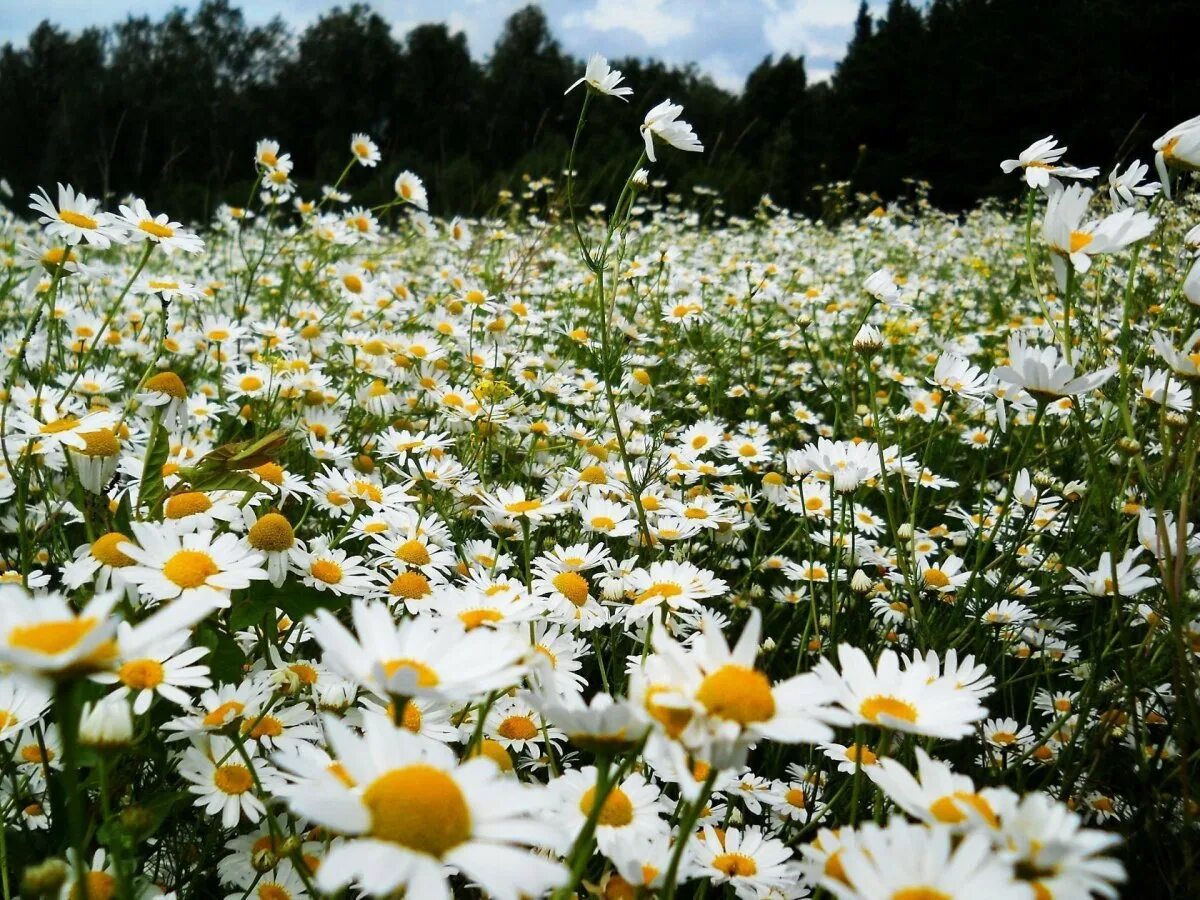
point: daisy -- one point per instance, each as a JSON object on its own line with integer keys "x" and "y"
{"x": 417, "y": 657}
{"x": 602, "y": 79}
{"x": 1040, "y": 372}
{"x": 915, "y": 699}
{"x": 1109, "y": 579}
{"x": 728, "y": 704}
{"x": 1040, "y": 160}
{"x": 141, "y": 225}
{"x": 1055, "y": 854}
{"x": 674, "y": 586}
{"x": 632, "y": 807}
{"x": 160, "y": 667}
{"x": 913, "y": 861}
{"x": 512, "y": 502}
{"x": 331, "y": 569}
{"x": 568, "y": 597}
{"x": 602, "y": 516}
{"x": 603, "y": 724}
{"x": 364, "y": 150}
{"x": 1073, "y": 240}
{"x": 200, "y": 511}
{"x": 200, "y": 568}
{"x": 664, "y": 123}
{"x": 22, "y": 701}
{"x": 99, "y": 563}
{"x": 514, "y": 724}
{"x": 746, "y": 859}
{"x": 410, "y": 189}
{"x": 222, "y": 780}
{"x": 75, "y": 219}
{"x": 41, "y": 634}
{"x": 1179, "y": 146}
{"x": 936, "y": 796}
{"x": 411, "y": 811}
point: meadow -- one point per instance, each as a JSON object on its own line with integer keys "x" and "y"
{"x": 627, "y": 551}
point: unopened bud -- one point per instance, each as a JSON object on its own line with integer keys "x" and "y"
{"x": 860, "y": 583}
{"x": 45, "y": 879}
{"x": 868, "y": 341}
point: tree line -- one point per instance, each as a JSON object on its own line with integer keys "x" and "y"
{"x": 171, "y": 108}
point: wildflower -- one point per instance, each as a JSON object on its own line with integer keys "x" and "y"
{"x": 75, "y": 219}
{"x": 364, "y": 151}
{"x": 602, "y": 79}
{"x": 409, "y": 809}
{"x": 1075, "y": 241}
{"x": 663, "y": 122}
{"x": 1040, "y": 161}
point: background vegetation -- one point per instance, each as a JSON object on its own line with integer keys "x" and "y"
{"x": 172, "y": 108}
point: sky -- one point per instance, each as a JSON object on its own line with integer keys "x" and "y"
{"x": 725, "y": 38}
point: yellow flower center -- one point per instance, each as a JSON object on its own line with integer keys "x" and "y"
{"x": 51, "y": 637}
{"x": 617, "y": 811}
{"x": 861, "y": 755}
{"x": 603, "y": 523}
{"x": 181, "y": 506}
{"x": 414, "y": 553}
{"x": 141, "y": 674}
{"x": 735, "y": 865}
{"x": 593, "y": 475}
{"x": 796, "y": 797}
{"x": 673, "y": 719}
{"x": 273, "y": 891}
{"x": 155, "y": 229}
{"x": 233, "y": 779}
{"x": 272, "y": 533}
{"x": 664, "y": 589}
{"x": 1079, "y": 240}
{"x": 426, "y": 677}
{"x": 104, "y": 549}
{"x": 100, "y": 443}
{"x": 100, "y": 886}
{"x": 79, "y": 220}
{"x": 495, "y": 751}
{"x": 410, "y": 586}
{"x": 223, "y": 714}
{"x": 935, "y": 578}
{"x": 946, "y": 809}
{"x": 167, "y": 383}
{"x": 518, "y": 728}
{"x": 190, "y": 568}
{"x": 262, "y": 726}
{"x": 418, "y": 807}
{"x": 883, "y": 705}
{"x": 738, "y": 693}
{"x": 573, "y": 586}
{"x": 473, "y": 618}
{"x": 326, "y": 570}
{"x": 523, "y": 506}
{"x": 919, "y": 893}
{"x": 66, "y": 423}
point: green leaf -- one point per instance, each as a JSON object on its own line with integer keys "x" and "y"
{"x": 296, "y": 600}
{"x": 244, "y": 454}
{"x": 199, "y": 479}
{"x": 152, "y": 489}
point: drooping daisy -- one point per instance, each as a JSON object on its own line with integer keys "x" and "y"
{"x": 602, "y": 79}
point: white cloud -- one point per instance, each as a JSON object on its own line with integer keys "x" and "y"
{"x": 648, "y": 19}
{"x": 811, "y": 27}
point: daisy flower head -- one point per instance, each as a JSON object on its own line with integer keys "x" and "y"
{"x": 141, "y": 225}
{"x": 904, "y": 860}
{"x": 633, "y": 807}
{"x": 41, "y": 634}
{"x": 420, "y": 657}
{"x": 1076, "y": 241}
{"x": 663, "y": 122}
{"x": 364, "y": 150}
{"x": 915, "y": 699}
{"x": 200, "y": 568}
{"x": 1043, "y": 374}
{"x": 752, "y": 863}
{"x": 1041, "y": 160}
{"x": 602, "y": 79}
{"x": 411, "y": 189}
{"x": 75, "y": 218}
{"x": 411, "y": 814}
